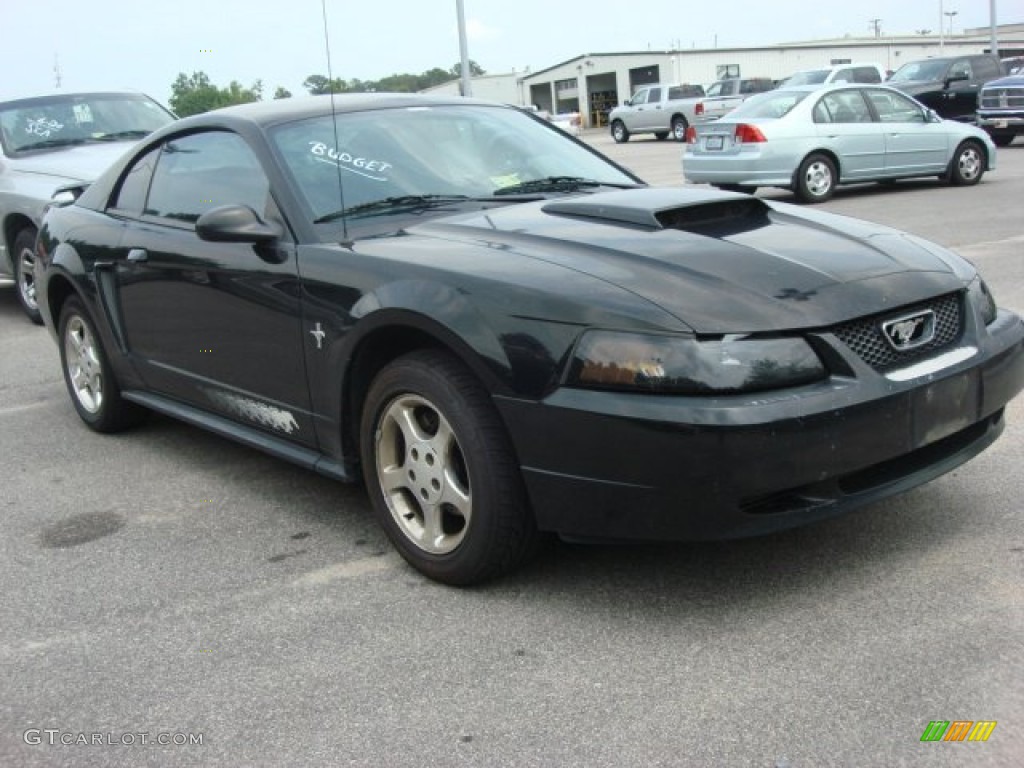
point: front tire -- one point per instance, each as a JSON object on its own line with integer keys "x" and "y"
{"x": 1003, "y": 139}
{"x": 968, "y": 164}
{"x": 90, "y": 381}
{"x": 619, "y": 132}
{"x": 815, "y": 179}
{"x": 661, "y": 135}
{"x": 441, "y": 473}
{"x": 25, "y": 273}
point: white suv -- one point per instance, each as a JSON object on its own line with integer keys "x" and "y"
{"x": 841, "y": 73}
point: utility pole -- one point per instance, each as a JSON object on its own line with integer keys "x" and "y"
{"x": 993, "y": 37}
{"x": 56, "y": 71}
{"x": 876, "y": 24}
{"x": 467, "y": 89}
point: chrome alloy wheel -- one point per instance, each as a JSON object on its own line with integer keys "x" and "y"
{"x": 83, "y": 363}
{"x": 423, "y": 475}
{"x": 818, "y": 178}
{"x": 26, "y": 271}
{"x": 969, "y": 161}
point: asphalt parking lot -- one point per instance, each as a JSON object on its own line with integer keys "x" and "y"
{"x": 168, "y": 582}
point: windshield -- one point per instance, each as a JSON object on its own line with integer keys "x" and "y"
{"x": 434, "y": 152}
{"x": 768, "y": 104}
{"x": 920, "y": 70}
{"x": 813, "y": 77}
{"x": 52, "y": 122}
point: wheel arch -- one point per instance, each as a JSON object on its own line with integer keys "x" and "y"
{"x": 390, "y": 333}
{"x": 830, "y": 154}
{"x": 13, "y": 224}
{"x": 980, "y": 144}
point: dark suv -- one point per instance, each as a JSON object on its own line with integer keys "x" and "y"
{"x": 948, "y": 85}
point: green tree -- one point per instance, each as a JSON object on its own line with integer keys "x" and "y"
{"x": 193, "y": 94}
{"x": 318, "y": 84}
{"x": 282, "y": 93}
{"x": 474, "y": 69}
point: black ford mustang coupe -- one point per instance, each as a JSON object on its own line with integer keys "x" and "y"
{"x": 503, "y": 333}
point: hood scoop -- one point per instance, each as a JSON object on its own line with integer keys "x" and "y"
{"x": 669, "y": 209}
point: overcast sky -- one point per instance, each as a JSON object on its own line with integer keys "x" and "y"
{"x": 143, "y": 45}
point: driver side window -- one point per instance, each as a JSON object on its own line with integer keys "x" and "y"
{"x": 201, "y": 171}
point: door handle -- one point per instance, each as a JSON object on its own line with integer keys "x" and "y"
{"x": 136, "y": 255}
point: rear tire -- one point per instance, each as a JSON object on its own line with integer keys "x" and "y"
{"x": 815, "y": 179}
{"x": 661, "y": 135}
{"x": 619, "y": 132}
{"x": 968, "y": 164}
{"x": 441, "y": 472}
{"x": 25, "y": 273}
{"x": 679, "y": 126}
{"x": 90, "y": 381}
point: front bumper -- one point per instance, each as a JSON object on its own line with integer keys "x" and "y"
{"x": 612, "y": 465}
{"x": 1008, "y": 123}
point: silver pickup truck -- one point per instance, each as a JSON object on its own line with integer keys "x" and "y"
{"x": 659, "y": 109}
{"x": 725, "y": 95}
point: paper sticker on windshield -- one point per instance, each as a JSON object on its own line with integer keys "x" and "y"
{"x": 83, "y": 113}
{"x": 367, "y": 167}
{"x": 505, "y": 181}
{"x": 42, "y": 126}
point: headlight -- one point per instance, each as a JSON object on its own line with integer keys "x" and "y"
{"x": 684, "y": 365}
{"x": 981, "y": 297}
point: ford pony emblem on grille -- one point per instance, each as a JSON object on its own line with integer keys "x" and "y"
{"x": 910, "y": 331}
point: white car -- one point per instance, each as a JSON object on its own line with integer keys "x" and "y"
{"x": 570, "y": 122}
{"x": 841, "y": 73}
{"x": 55, "y": 141}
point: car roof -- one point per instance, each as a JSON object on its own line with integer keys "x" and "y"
{"x": 7, "y": 97}
{"x": 827, "y": 87}
{"x": 297, "y": 108}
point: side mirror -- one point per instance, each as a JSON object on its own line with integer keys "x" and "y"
{"x": 627, "y": 103}
{"x": 235, "y": 224}
{"x": 958, "y": 78}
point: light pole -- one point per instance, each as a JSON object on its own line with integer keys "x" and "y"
{"x": 942, "y": 25}
{"x": 951, "y": 14}
{"x": 463, "y": 49}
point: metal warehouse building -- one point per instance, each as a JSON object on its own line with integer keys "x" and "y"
{"x": 593, "y": 83}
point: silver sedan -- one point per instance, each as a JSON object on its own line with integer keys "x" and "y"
{"x": 810, "y": 139}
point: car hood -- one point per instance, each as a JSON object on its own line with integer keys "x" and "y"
{"x": 1006, "y": 82}
{"x": 719, "y": 262}
{"x": 81, "y": 163}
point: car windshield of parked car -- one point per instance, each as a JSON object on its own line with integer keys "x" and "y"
{"x": 814, "y": 77}
{"x": 919, "y": 70}
{"x": 433, "y": 152}
{"x": 773, "y": 104}
{"x": 54, "y": 122}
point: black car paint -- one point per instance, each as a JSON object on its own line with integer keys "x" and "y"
{"x": 509, "y": 289}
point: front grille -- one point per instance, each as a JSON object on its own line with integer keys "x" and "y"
{"x": 864, "y": 336}
{"x": 1002, "y": 98}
